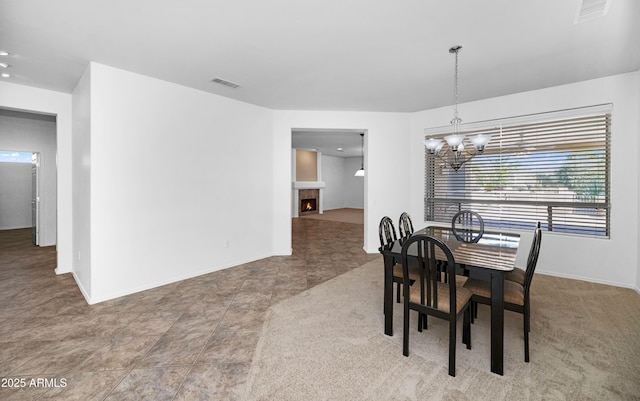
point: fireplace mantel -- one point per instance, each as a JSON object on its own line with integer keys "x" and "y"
{"x": 308, "y": 184}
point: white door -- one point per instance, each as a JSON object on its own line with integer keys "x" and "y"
{"x": 35, "y": 199}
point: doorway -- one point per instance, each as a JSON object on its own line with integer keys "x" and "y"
{"x": 19, "y": 182}
{"x": 35, "y": 198}
{"x": 33, "y": 201}
{"x": 340, "y": 154}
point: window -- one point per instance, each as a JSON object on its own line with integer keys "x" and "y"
{"x": 15, "y": 157}
{"x": 552, "y": 167}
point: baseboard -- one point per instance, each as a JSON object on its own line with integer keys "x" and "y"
{"x": 371, "y": 250}
{"x": 58, "y": 270}
{"x": 14, "y": 228}
{"x": 589, "y": 279}
{"x": 82, "y": 289}
{"x": 172, "y": 280}
{"x": 283, "y": 253}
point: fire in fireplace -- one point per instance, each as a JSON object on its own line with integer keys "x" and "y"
{"x": 308, "y": 205}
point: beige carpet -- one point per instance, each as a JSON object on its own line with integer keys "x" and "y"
{"x": 327, "y": 343}
{"x": 345, "y": 215}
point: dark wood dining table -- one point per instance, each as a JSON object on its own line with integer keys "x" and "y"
{"x": 490, "y": 259}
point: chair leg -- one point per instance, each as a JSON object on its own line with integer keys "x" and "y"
{"x": 452, "y": 348}
{"x": 526, "y": 344}
{"x": 422, "y": 321}
{"x": 527, "y": 329}
{"x": 473, "y": 306}
{"x": 405, "y": 330}
{"x": 399, "y": 285}
{"x": 466, "y": 327}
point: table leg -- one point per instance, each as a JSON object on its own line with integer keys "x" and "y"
{"x": 497, "y": 322}
{"x": 388, "y": 295}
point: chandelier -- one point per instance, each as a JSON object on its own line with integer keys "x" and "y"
{"x": 452, "y": 151}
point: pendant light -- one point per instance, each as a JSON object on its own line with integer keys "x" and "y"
{"x": 453, "y": 152}
{"x": 360, "y": 173}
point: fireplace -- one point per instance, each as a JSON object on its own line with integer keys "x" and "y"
{"x": 309, "y": 202}
{"x": 308, "y": 205}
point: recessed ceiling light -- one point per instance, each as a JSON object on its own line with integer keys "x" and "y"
{"x": 340, "y": 150}
{"x": 3, "y": 53}
{"x": 5, "y": 75}
{"x": 4, "y": 65}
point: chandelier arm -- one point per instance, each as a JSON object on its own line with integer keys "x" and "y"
{"x": 439, "y": 156}
{"x": 471, "y": 151}
{"x": 459, "y": 159}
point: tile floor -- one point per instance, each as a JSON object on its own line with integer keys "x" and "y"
{"x": 191, "y": 340}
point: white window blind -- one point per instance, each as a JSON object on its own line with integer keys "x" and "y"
{"x": 550, "y": 167}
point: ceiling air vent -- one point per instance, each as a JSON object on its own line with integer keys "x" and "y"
{"x": 225, "y": 83}
{"x": 590, "y": 9}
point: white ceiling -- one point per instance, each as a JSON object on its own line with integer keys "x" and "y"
{"x": 323, "y": 55}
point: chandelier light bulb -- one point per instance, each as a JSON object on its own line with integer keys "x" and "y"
{"x": 480, "y": 141}
{"x": 432, "y": 144}
{"x": 454, "y": 141}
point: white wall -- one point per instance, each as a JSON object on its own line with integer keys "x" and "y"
{"x": 638, "y": 182}
{"x": 333, "y": 177}
{"x": 81, "y": 139}
{"x": 387, "y": 134}
{"x": 353, "y": 191}
{"x": 611, "y": 261}
{"x": 24, "y": 98}
{"x": 174, "y": 176}
{"x": 343, "y": 190}
{"x": 15, "y": 195}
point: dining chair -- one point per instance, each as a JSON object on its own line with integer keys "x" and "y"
{"x": 516, "y": 296}
{"x": 432, "y": 296}
{"x": 467, "y": 226}
{"x": 517, "y": 275}
{"x": 387, "y": 234}
{"x": 405, "y": 225}
{"x": 387, "y": 231}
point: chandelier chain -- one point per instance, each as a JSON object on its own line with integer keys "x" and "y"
{"x": 455, "y": 95}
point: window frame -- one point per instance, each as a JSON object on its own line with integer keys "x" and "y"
{"x": 578, "y": 212}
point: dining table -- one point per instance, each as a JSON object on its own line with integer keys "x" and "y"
{"x": 490, "y": 259}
